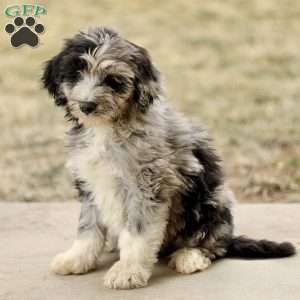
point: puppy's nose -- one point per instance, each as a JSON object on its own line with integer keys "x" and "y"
{"x": 87, "y": 107}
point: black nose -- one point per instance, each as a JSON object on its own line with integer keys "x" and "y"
{"x": 87, "y": 107}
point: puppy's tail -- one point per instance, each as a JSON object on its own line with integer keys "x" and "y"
{"x": 249, "y": 248}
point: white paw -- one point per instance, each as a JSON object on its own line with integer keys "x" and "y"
{"x": 64, "y": 264}
{"x": 189, "y": 260}
{"x": 126, "y": 276}
{"x": 77, "y": 260}
{"x": 68, "y": 263}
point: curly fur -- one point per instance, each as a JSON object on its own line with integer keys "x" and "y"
{"x": 149, "y": 180}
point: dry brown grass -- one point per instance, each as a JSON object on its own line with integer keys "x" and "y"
{"x": 234, "y": 64}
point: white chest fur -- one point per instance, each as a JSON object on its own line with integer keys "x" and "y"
{"x": 95, "y": 165}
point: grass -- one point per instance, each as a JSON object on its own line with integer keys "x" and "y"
{"x": 233, "y": 65}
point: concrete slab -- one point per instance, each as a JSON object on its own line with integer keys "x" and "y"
{"x": 31, "y": 234}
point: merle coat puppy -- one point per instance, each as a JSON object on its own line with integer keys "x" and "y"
{"x": 149, "y": 180}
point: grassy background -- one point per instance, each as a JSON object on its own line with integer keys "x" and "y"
{"x": 234, "y": 65}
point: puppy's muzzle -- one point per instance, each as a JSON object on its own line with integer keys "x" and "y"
{"x": 87, "y": 107}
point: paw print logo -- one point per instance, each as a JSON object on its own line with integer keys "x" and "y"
{"x": 24, "y": 32}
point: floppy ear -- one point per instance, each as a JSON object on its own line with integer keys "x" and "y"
{"x": 145, "y": 93}
{"x": 51, "y": 79}
{"x": 147, "y": 80}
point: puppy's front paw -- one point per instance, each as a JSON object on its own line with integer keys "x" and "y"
{"x": 78, "y": 260}
{"x": 62, "y": 264}
{"x": 126, "y": 276}
{"x": 67, "y": 263}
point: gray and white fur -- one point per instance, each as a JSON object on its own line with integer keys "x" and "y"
{"x": 149, "y": 181}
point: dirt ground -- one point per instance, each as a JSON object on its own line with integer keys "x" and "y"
{"x": 233, "y": 65}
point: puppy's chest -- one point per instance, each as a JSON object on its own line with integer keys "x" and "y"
{"x": 98, "y": 165}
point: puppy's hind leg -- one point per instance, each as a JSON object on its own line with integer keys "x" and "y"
{"x": 86, "y": 249}
{"x": 210, "y": 239}
{"x": 189, "y": 260}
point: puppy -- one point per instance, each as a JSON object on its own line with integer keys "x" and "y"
{"x": 149, "y": 181}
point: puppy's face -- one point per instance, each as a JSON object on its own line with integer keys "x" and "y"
{"x": 99, "y": 76}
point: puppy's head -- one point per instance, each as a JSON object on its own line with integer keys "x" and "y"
{"x": 99, "y": 76}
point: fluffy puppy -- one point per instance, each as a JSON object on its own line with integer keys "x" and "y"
{"x": 149, "y": 181}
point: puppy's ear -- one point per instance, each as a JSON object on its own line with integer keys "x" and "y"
{"x": 147, "y": 86}
{"x": 52, "y": 78}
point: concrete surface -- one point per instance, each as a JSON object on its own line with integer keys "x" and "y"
{"x": 31, "y": 234}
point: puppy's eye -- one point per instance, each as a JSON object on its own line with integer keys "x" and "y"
{"x": 117, "y": 83}
{"x": 72, "y": 66}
